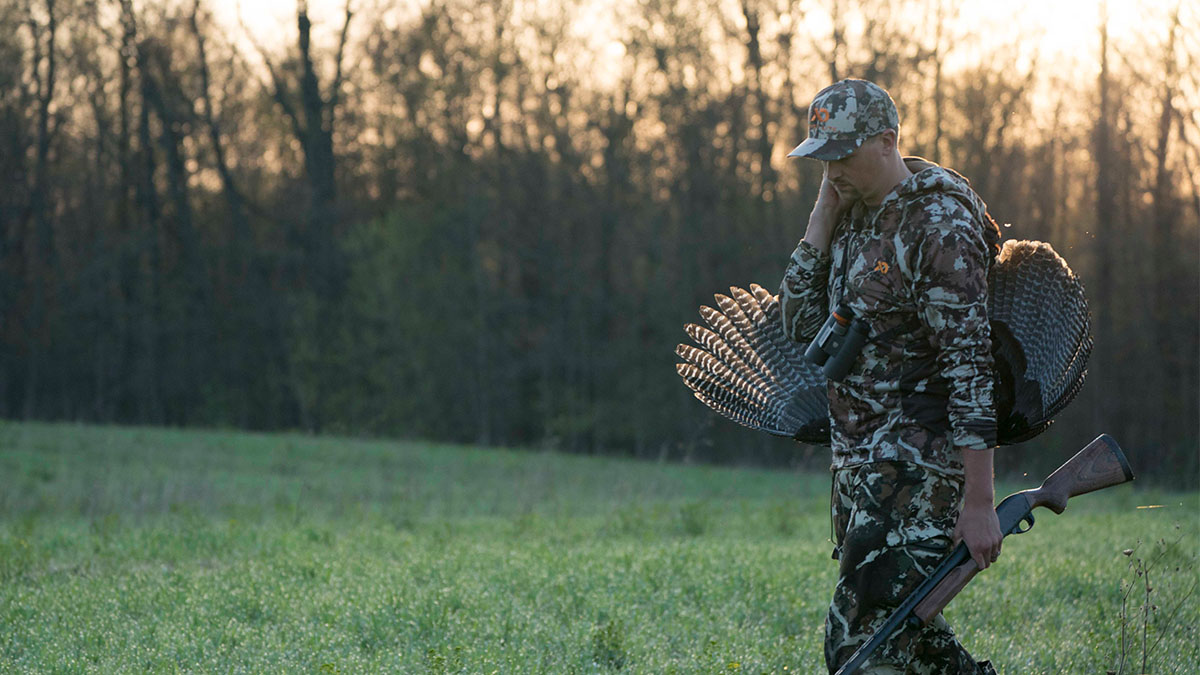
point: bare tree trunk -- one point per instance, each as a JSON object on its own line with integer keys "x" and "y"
{"x": 766, "y": 173}
{"x": 839, "y": 40}
{"x": 42, "y": 254}
{"x": 786, "y": 47}
{"x": 145, "y": 264}
{"x": 253, "y": 321}
{"x": 939, "y": 95}
{"x": 1170, "y": 366}
{"x": 1057, "y": 181}
{"x": 312, "y": 124}
{"x": 316, "y": 137}
{"x": 1105, "y": 210}
{"x": 239, "y": 228}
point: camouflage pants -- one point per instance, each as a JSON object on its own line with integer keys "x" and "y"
{"x": 893, "y": 522}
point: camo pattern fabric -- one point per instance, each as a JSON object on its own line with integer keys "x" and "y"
{"x": 923, "y": 393}
{"x": 842, "y": 116}
{"x": 893, "y": 523}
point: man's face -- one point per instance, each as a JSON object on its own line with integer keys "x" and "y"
{"x": 857, "y": 175}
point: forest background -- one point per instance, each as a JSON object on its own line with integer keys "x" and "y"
{"x": 488, "y": 222}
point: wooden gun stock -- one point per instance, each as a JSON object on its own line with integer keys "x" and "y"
{"x": 1099, "y": 465}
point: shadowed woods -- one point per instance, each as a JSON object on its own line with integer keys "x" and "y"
{"x": 490, "y": 223}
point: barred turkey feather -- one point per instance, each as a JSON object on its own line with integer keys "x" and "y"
{"x": 734, "y": 339}
{"x": 730, "y": 377}
{"x": 1036, "y": 296}
{"x": 750, "y": 319}
{"x": 745, "y": 368}
{"x": 715, "y": 346}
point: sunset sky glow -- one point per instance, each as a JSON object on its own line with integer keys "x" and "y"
{"x": 1062, "y": 37}
{"x": 1064, "y": 32}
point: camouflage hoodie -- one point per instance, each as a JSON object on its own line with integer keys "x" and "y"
{"x": 917, "y": 272}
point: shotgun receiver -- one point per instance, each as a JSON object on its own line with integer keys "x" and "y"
{"x": 1099, "y": 465}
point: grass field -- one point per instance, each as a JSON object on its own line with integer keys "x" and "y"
{"x": 145, "y": 550}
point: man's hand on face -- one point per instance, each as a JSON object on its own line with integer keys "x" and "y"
{"x": 825, "y": 214}
{"x": 828, "y": 199}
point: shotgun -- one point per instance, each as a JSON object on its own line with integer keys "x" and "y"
{"x": 1099, "y": 465}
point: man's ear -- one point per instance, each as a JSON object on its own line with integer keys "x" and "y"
{"x": 887, "y": 139}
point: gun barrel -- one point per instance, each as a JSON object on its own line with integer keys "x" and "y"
{"x": 904, "y": 612}
{"x": 1012, "y": 512}
{"x": 1099, "y": 465}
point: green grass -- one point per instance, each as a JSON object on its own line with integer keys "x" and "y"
{"x": 142, "y": 550}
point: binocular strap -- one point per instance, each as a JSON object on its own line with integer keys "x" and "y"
{"x": 906, "y": 326}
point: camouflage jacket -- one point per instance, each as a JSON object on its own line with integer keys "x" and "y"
{"x": 916, "y": 269}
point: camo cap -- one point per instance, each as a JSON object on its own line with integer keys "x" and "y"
{"x": 842, "y": 116}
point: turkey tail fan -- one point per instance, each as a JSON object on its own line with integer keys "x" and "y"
{"x": 746, "y": 369}
{"x": 1041, "y": 337}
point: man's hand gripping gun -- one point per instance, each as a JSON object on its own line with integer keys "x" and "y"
{"x": 1101, "y": 464}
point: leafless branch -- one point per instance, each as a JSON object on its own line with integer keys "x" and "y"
{"x": 336, "y": 88}
{"x": 280, "y": 91}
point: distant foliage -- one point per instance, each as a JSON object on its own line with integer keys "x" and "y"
{"x": 463, "y": 221}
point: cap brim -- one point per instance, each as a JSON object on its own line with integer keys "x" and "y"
{"x": 825, "y": 150}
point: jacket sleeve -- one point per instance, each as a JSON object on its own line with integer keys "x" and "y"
{"x": 803, "y": 295}
{"x": 950, "y": 267}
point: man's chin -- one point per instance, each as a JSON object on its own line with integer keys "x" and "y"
{"x": 846, "y": 193}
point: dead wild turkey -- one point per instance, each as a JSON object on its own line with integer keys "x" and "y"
{"x": 745, "y": 368}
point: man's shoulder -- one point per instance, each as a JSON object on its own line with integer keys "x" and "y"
{"x": 936, "y": 192}
{"x": 936, "y": 206}
{"x": 937, "y": 213}
{"x": 935, "y": 228}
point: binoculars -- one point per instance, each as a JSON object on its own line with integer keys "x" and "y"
{"x": 838, "y": 343}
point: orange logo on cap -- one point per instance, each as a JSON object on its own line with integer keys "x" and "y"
{"x": 819, "y": 115}
{"x": 881, "y": 266}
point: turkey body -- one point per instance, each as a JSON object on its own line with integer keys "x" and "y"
{"x": 743, "y": 366}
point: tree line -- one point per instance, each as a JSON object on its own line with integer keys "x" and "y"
{"x": 471, "y": 222}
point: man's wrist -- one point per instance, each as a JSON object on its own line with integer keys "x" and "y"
{"x": 820, "y": 228}
{"x": 979, "y": 498}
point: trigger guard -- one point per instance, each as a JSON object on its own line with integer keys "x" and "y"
{"x": 1027, "y": 521}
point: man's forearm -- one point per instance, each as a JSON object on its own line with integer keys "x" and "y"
{"x": 802, "y": 295}
{"x": 978, "y": 486}
{"x": 977, "y": 525}
{"x": 819, "y": 232}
